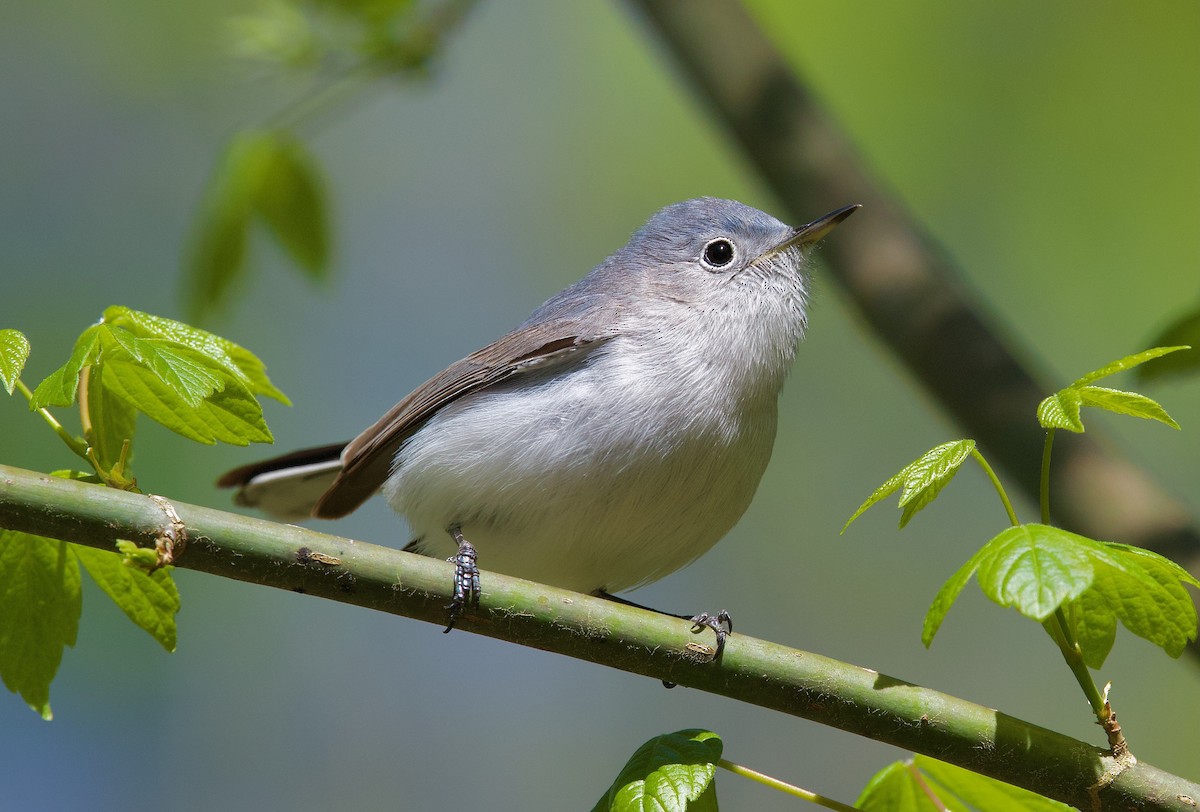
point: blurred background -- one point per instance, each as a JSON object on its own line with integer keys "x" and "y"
{"x": 1053, "y": 149}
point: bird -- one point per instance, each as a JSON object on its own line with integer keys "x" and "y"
{"x": 612, "y": 438}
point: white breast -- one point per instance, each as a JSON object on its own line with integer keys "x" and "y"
{"x": 607, "y": 476}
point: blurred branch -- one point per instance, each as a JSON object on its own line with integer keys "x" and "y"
{"x": 902, "y": 283}
{"x": 600, "y": 631}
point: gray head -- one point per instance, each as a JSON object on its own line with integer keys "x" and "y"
{"x": 711, "y": 253}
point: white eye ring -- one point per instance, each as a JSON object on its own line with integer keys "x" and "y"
{"x": 718, "y": 253}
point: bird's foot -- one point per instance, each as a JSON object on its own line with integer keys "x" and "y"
{"x": 466, "y": 579}
{"x": 721, "y": 624}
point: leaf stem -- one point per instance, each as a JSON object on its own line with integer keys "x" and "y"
{"x": 1012, "y": 514}
{"x": 1044, "y": 490}
{"x": 74, "y": 443}
{"x": 783, "y": 786}
{"x": 1060, "y": 632}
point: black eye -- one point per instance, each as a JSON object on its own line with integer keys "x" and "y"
{"x": 718, "y": 253}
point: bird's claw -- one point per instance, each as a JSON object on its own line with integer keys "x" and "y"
{"x": 466, "y": 579}
{"x": 721, "y": 624}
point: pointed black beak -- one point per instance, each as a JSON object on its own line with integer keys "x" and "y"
{"x": 814, "y": 231}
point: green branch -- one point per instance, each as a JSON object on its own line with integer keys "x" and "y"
{"x": 756, "y": 671}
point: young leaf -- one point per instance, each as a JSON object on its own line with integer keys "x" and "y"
{"x": 150, "y": 600}
{"x": 40, "y": 602}
{"x": 59, "y": 388}
{"x": 922, "y": 479}
{"x": 946, "y": 597}
{"x": 291, "y": 201}
{"x": 263, "y": 174}
{"x": 882, "y": 492}
{"x": 1128, "y": 362}
{"x": 1094, "y": 626}
{"x": 108, "y": 422}
{"x": 897, "y": 788}
{"x": 1035, "y": 568}
{"x": 219, "y": 248}
{"x": 1130, "y": 403}
{"x": 1186, "y": 331}
{"x": 237, "y": 361}
{"x": 14, "y": 352}
{"x": 975, "y": 791}
{"x": 672, "y": 773}
{"x": 231, "y": 415}
{"x": 188, "y": 374}
{"x": 1061, "y": 411}
{"x": 1145, "y": 591}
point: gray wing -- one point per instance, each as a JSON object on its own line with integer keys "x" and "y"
{"x": 367, "y": 460}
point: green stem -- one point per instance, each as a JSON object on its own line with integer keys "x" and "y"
{"x": 338, "y": 90}
{"x": 1044, "y": 491}
{"x": 74, "y": 443}
{"x": 1012, "y": 514}
{"x": 783, "y": 786}
{"x": 1060, "y": 632}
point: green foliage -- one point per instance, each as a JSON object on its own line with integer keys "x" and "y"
{"x": 40, "y": 601}
{"x": 1141, "y": 589}
{"x": 1077, "y": 587}
{"x": 14, "y": 352}
{"x": 670, "y": 773}
{"x": 1061, "y": 410}
{"x": 193, "y": 382}
{"x": 196, "y": 383}
{"x": 1186, "y": 331}
{"x": 928, "y": 785}
{"x": 1038, "y": 569}
{"x": 149, "y": 599}
{"x": 922, "y": 479}
{"x": 266, "y": 177}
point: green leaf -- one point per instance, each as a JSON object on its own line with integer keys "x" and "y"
{"x": 40, "y": 602}
{"x": 670, "y": 773}
{"x": 14, "y": 352}
{"x": 882, "y": 492}
{"x": 218, "y": 253}
{"x": 291, "y": 201}
{"x": 1035, "y": 568}
{"x": 1145, "y": 591}
{"x": 1130, "y": 403}
{"x": 234, "y": 359}
{"x": 1061, "y": 411}
{"x": 1183, "y": 331}
{"x": 143, "y": 558}
{"x": 922, "y": 479}
{"x": 59, "y": 388}
{"x": 981, "y": 792}
{"x": 266, "y": 175}
{"x": 896, "y": 788}
{"x": 948, "y": 594}
{"x": 1128, "y": 362}
{"x": 925, "y": 478}
{"x": 231, "y": 415}
{"x": 928, "y": 785}
{"x": 108, "y": 421}
{"x": 1094, "y": 626}
{"x": 187, "y": 373}
{"x": 150, "y": 600}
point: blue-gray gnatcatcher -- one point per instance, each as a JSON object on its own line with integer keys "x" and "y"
{"x": 612, "y": 438}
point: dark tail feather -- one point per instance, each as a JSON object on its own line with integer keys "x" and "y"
{"x": 306, "y": 456}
